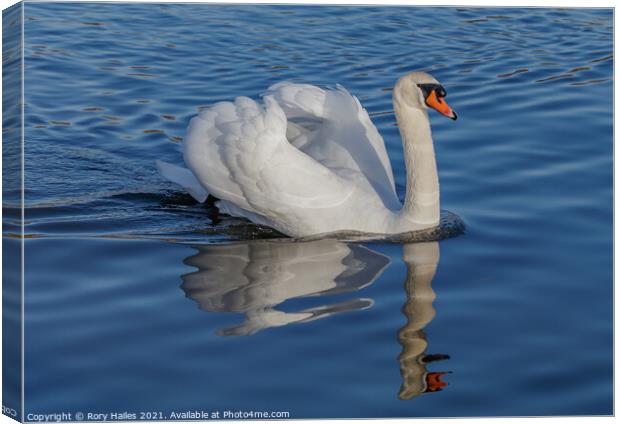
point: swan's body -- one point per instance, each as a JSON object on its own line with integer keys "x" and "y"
{"x": 310, "y": 161}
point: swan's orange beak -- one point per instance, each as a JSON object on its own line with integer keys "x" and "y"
{"x": 440, "y": 105}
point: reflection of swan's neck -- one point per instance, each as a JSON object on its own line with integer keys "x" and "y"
{"x": 421, "y": 206}
{"x": 421, "y": 260}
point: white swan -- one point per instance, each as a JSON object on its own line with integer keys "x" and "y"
{"x": 310, "y": 161}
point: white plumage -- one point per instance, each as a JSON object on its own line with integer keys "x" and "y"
{"x": 307, "y": 161}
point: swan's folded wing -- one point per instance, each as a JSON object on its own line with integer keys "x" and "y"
{"x": 239, "y": 153}
{"x": 345, "y": 141}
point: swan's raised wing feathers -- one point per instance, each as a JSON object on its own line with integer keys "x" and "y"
{"x": 240, "y": 154}
{"x": 345, "y": 140}
{"x": 299, "y": 100}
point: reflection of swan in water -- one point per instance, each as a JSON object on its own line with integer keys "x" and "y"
{"x": 421, "y": 260}
{"x": 254, "y": 277}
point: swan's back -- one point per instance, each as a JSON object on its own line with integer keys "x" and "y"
{"x": 301, "y": 162}
{"x": 239, "y": 153}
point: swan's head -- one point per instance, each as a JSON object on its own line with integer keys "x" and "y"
{"x": 421, "y": 90}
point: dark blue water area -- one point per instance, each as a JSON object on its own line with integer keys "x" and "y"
{"x": 139, "y": 299}
{"x": 11, "y": 184}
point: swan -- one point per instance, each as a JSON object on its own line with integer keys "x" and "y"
{"x": 309, "y": 160}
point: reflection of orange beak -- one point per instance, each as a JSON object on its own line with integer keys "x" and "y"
{"x": 440, "y": 105}
{"x": 433, "y": 381}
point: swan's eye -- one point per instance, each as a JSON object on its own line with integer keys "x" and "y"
{"x": 428, "y": 88}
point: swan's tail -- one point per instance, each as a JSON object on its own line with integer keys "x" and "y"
{"x": 184, "y": 178}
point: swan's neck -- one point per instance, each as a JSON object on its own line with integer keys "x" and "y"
{"x": 421, "y": 208}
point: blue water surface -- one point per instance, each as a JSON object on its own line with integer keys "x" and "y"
{"x": 139, "y": 299}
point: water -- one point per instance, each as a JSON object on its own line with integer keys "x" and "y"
{"x": 139, "y": 299}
